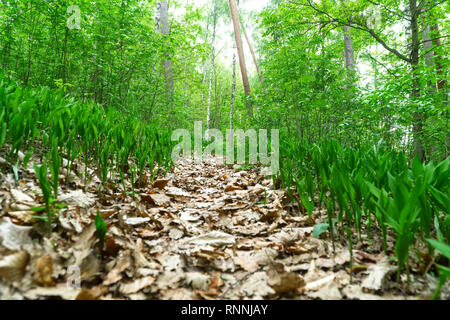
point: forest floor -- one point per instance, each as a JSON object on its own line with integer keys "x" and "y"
{"x": 205, "y": 231}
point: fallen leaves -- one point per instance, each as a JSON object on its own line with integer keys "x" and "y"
{"x": 44, "y": 271}
{"x": 115, "y": 274}
{"x": 137, "y": 285}
{"x": 160, "y": 183}
{"x": 203, "y": 232}
{"x": 214, "y": 238}
{"x": 256, "y": 286}
{"x": 15, "y": 237}
{"x": 12, "y": 267}
{"x": 377, "y": 277}
{"x": 283, "y": 281}
{"x": 77, "y": 198}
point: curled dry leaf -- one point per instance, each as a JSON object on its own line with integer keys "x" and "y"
{"x": 61, "y": 291}
{"x": 19, "y": 196}
{"x": 160, "y": 200}
{"x": 377, "y": 276}
{"x": 137, "y": 285}
{"x": 23, "y": 216}
{"x": 176, "y": 233}
{"x": 12, "y": 267}
{"x": 136, "y": 221}
{"x": 111, "y": 246}
{"x": 283, "y": 281}
{"x": 214, "y": 238}
{"x": 77, "y": 198}
{"x": 149, "y": 234}
{"x": 15, "y": 237}
{"x": 256, "y": 286}
{"x": 91, "y": 294}
{"x": 44, "y": 271}
{"x": 198, "y": 280}
{"x": 160, "y": 183}
{"x": 246, "y": 261}
{"x": 320, "y": 283}
{"x": 232, "y": 187}
{"x": 329, "y": 291}
{"x": 116, "y": 273}
{"x": 90, "y": 267}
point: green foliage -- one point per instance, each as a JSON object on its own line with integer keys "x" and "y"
{"x": 101, "y": 227}
{"x": 103, "y": 139}
{"x": 444, "y": 272}
{"x": 319, "y": 229}
{"x": 358, "y": 184}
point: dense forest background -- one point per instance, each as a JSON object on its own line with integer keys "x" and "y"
{"x": 389, "y": 87}
{"x": 90, "y": 93}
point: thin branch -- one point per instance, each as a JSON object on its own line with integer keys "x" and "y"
{"x": 401, "y": 15}
{"x": 381, "y": 64}
{"x": 358, "y": 25}
{"x": 420, "y": 7}
{"x": 435, "y": 5}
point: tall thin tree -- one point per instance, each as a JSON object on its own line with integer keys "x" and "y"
{"x": 240, "y": 51}
{"x": 164, "y": 28}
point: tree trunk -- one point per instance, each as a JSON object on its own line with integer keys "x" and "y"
{"x": 238, "y": 38}
{"x": 168, "y": 68}
{"x": 211, "y": 70}
{"x": 419, "y": 149}
{"x": 204, "y": 68}
{"x": 349, "y": 53}
{"x": 255, "y": 61}
{"x": 233, "y": 92}
{"x": 442, "y": 84}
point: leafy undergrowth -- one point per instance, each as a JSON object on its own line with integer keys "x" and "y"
{"x": 204, "y": 231}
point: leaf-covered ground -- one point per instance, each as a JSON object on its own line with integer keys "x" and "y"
{"x": 205, "y": 231}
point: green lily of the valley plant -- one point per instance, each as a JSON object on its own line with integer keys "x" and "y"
{"x": 102, "y": 228}
{"x": 444, "y": 272}
{"x": 355, "y": 185}
{"x": 51, "y": 207}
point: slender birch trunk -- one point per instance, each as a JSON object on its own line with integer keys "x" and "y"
{"x": 238, "y": 38}
{"x": 211, "y": 70}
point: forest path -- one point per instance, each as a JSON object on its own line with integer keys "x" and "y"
{"x": 205, "y": 231}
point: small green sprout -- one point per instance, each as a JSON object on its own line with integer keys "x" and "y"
{"x": 101, "y": 227}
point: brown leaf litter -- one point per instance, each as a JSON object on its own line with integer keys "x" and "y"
{"x": 205, "y": 231}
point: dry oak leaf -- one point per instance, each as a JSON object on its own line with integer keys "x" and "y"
{"x": 232, "y": 187}
{"x": 198, "y": 281}
{"x": 15, "y": 237}
{"x": 135, "y": 221}
{"x": 233, "y": 207}
{"x": 25, "y": 217}
{"x": 44, "y": 271}
{"x": 160, "y": 200}
{"x": 378, "y": 275}
{"x": 78, "y": 198}
{"x": 256, "y": 286}
{"x": 19, "y": 196}
{"x": 116, "y": 273}
{"x": 12, "y": 267}
{"x": 92, "y": 294}
{"x": 246, "y": 261}
{"x": 214, "y": 238}
{"x": 283, "y": 281}
{"x": 137, "y": 285}
{"x": 178, "y": 294}
{"x": 112, "y": 248}
{"x": 329, "y": 291}
{"x": 149, "y": 234}
{"x": 63, "y": 291}
{"x": 160, "y": 183}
